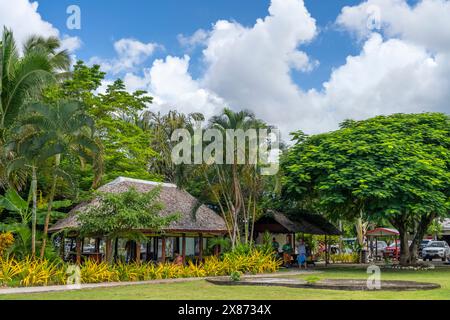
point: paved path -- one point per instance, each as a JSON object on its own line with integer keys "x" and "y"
{"x": 23, "y": 290}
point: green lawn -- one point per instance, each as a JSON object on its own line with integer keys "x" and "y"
{"x": 204, "y": 290}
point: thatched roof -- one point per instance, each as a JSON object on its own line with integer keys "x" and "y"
{"x": 277, "y": 222}
{"x": 194, "y": 218}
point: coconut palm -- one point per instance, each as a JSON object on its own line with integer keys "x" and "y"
{"x": 22, "y": 79}
{"x": 59, "y": 59}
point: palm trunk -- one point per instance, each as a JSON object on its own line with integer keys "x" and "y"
{"x": 34, "y": 211}
{"x": 50, "y": 205}
{"x": 252, "y": 232}
{"x": 237, "y": 204}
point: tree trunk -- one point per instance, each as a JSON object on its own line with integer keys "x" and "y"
{"x": 108, "y": 251}
{"x": 78, "y": 250}
{"x": 404, "y": 247}
{"x": 50, "y": 205}
{"x": 421, "y": 230}
{"x": 34, "y": 211}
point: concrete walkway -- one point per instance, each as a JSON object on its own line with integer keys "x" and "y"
{"x": 23, "y": 290}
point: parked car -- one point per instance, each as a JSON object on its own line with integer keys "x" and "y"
{"x": 436, "y": 249}
{"x": 423, "y": 244}
{"x": 393, "y": 250}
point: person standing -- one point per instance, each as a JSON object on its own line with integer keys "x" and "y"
{"x": 301, "y": 258}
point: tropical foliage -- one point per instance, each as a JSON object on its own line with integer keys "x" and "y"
{"x": 64, "y": 132}
{"x": 394, "y": 168}
{"x": 30, "y": 272}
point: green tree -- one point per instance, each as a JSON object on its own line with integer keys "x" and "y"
{"x": 68, "y": 130}
{"x": 393, "y": 168}
{"x": 161, "y": 128}
{"x": 116, "y": 113}
{"x": 236, "y": 187}
{"x": 122, "y": 214}
{"x": 31, "y": 154}
{"x": 22, "y": 79}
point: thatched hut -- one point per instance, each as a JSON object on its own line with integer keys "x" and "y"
{"x": 187, "y": 236}
{"x": 284, "y": 226}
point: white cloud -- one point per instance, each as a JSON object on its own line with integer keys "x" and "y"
{"x": 198, "y": 38}
{"x": 403, "y": 66}
{"x": 71, "y": 44}
{"x": 172, "y": 86}
{"x": 388, "y": 76}
{"x": 427, "y": 23}
{"x": 130, "y": 54}
{"x": 23, "y": 18}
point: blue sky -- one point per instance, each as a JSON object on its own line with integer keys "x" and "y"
{"x": 104, "y": 22}
{"x": 297, "y": 64}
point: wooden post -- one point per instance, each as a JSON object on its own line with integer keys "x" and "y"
{"x": 293, "y": 242}
{"x": 376, "y": 248}
{"x": 97, "y": 245}
{"x": 78, "y": 248}
{"x": 62, "y": 249}
{"x": 163, "y": 250}
{"x": 138, "y": 252}
{"x": 183, "y": 248}
{"x": 200, "y": 248}
{"x": 326, "y": 250}
{"x": 116, "y": 250}
{"x": 217, "y": 250}
{"x": 396, "y": 249}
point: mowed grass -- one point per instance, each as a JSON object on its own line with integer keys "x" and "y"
{"x": 202, "y": 290}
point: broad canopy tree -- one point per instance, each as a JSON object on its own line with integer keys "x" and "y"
{"x": 394, "y": 168}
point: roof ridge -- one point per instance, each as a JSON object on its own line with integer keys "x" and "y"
{"x": 148, "y": 182}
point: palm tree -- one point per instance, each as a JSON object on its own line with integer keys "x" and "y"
{"x": 67, "y": 130}
{"x": 22, "y": 79}
{"x": 236, "y": 187}
{"x": 162, "y": 128}
{"x": 59, "y": 59}
{"x": 28, "y": 150}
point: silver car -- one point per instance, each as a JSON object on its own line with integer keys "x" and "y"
{"x": 436, "y": 249}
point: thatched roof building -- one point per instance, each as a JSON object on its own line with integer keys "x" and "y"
{"x": 194, "y": 218}
{"x": 276, "y": 222}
